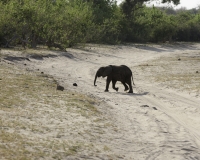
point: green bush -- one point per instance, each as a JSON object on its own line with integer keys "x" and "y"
{"x": 64, "y": 23}
{"x": 150, "y": 24}
{"x": 56, "y": 23}
{"x": 189, "y": 26}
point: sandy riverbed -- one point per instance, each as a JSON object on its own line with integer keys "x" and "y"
{"x": 167, "y": 79}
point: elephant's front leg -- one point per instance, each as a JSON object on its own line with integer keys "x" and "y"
{"x": 107, "y": 84}
{"x": 113, "y": 85}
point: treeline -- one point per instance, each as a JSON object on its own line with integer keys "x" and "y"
{"x": 64, "y": 23}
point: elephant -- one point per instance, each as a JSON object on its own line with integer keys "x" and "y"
{"x": 114, "y": 73}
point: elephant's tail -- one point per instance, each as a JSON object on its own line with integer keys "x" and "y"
{"x": 133, "y": 81}
{"x": 95, "y": 80}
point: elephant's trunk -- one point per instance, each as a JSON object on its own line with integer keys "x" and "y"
{"x": 95, "y": 79}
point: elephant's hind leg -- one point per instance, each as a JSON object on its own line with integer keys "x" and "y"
{"x": 125, "y": 86}
{"x": 130, "y": 85}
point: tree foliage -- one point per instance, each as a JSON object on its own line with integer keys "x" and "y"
{"x": 129, "y": 6}
{"x": 64, "y": 23}
{"x": 56, "y": 23}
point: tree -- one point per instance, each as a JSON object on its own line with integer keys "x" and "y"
{"x": 57, "y": 23}
{"x": 188, "y": 26}
{"x": 128, "y": 6}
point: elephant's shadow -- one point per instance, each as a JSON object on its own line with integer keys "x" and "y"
{"x": 134, "y": 94}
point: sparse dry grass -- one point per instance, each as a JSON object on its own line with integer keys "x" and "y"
{"x": 178, "y": 72}
{"x": 37, "y": 121}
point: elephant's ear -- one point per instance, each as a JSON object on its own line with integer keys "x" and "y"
{"x": 107, "y": 71}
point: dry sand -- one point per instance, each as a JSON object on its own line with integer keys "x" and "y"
{"x": 165, "y": 77}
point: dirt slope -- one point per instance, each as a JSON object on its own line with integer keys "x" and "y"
{"x": 167, "y": 82}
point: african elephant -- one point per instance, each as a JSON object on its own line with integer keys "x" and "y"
{"x": 116, "y": 73}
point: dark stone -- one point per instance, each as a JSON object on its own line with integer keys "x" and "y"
{"x": 74, "y": 84}
{"x": 144, "y": 106}
{"x": 197, "y": 71}
{"x": 179, "y": 59}
{"x": 59, "y": 87}
{"x": 155, "y": 108}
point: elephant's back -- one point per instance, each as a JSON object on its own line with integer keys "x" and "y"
{"x": 127, "y": 69}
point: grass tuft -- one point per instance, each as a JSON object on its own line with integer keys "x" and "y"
{"x": 180, "y": 72}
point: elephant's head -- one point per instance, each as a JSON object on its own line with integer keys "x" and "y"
{"x": 103, "y": 71}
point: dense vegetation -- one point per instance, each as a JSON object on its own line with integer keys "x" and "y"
{"x": 63, "y": 23}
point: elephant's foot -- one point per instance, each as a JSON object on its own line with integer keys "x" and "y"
{"x": 106, "y": 90}
{"x": 117, "y": 89}
{"x": 130, "y": 92}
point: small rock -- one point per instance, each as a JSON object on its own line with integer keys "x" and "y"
{"x": 42, "y": 72}
{"x": 25, "y": 64}
{"x": 155, "y": 108}
{"x": 59, "y": 87}
{"x": 179, "y": 59}
{"x": 74, "y": 84}
{"x": 27, "y": 59}
{"x": 58, "y": 136}
{"x": 144, "y": 106}
{"x": 197, "y": 71}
